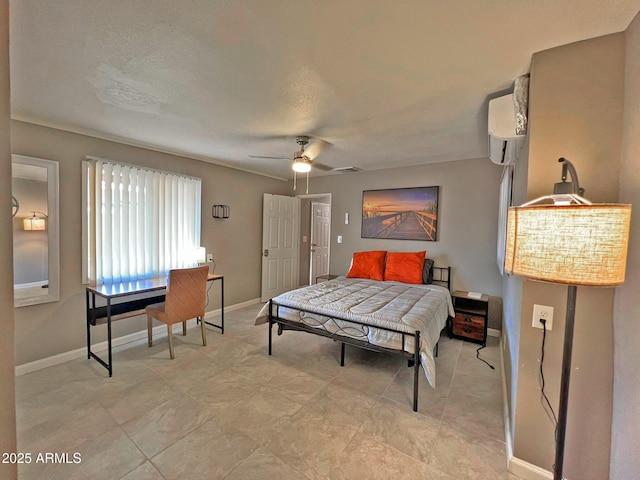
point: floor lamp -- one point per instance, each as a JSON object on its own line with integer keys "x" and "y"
{"x": 573, "y": 242}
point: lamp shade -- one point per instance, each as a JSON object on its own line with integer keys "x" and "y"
{"x": 34, "y": 223}
{"x": 201, "y": 254}
{"x": 569, "y": 244}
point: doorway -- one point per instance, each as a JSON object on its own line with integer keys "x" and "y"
{"x": 280, "y": 253}
{"x": 320, "y": 240}
{"x": 315, "y": 228}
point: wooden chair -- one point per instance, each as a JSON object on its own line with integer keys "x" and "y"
{"x": 185, "y": 299}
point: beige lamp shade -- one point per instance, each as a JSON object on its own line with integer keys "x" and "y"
{"x": 570, "y": 244}
{"x": 200, "y": 254}
{"x": 34, "y": 223}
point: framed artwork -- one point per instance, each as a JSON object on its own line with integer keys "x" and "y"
{"x": 400, "y": 213}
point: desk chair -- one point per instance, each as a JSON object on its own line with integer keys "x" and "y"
{"x": 185, "y": 299}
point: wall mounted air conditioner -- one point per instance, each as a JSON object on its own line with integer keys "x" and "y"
{"x": 504, "y": 145}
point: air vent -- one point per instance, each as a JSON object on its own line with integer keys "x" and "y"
{"x": 347, "y": 169}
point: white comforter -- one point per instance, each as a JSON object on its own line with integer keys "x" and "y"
{"x": 394, "y": 305}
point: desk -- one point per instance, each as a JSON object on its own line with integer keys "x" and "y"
{"x": 110, "y": 291}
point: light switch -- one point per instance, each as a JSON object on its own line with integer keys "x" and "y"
{"x": 346, "y": 218}
{"x": 304, "y": 239}
{"x": 339, "y": 238}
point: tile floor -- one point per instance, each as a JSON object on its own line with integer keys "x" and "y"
{"x": 229, "y": 411}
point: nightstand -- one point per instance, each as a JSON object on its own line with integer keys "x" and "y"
{"x": 472, "y": 316}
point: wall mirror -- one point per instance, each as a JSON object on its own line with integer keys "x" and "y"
{"x": 36, "y": 241}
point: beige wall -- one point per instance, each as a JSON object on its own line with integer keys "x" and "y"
{"x": 575, "y": 109}
{"x": 625, "y": 435}
{"x": 7, "y": 359}
{"x": 53, "y": 328}
{"x": 467, "y": 220}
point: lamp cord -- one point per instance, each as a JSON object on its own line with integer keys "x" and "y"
{"x": 210, "y": 283}
{"x": 482, "y": 359}
{"x": 542, "y": 382}
{"x": 206, "y": 303}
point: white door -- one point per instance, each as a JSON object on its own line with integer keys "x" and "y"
{"x": 280, "y": 227}
{"x": 320, "y": 240}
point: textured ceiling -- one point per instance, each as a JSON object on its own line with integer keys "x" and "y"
{"x": 386, "y": 83}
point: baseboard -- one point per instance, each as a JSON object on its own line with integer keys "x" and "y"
{"x": 505, "y": 409}
{"x": 140, "y": 336}
{"x": 516, "y": 466}
{"x": 492, "y": 332}
{"x": 528, "y": 471}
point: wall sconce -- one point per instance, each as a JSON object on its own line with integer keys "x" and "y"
{"x": 35, "y": 223}
{"x": 220, "y": 211}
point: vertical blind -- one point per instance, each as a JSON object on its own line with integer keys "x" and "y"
{"x": 139, "y": 223}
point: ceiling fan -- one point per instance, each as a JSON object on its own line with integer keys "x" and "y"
{"x": 304, "y": 158}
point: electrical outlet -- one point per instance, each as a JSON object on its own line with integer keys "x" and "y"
{"x": 545, "y": 312}
{"x": 209, "y": 257}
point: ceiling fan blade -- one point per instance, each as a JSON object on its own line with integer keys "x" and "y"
{"x": 315, "y": 147}
{"x": 275, "y": 158}
{"x": 321, "y": 166}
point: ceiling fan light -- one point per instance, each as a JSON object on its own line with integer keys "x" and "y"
{"x": 301, "y": 165}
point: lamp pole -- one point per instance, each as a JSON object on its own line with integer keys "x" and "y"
{"x": 564, "y": 382}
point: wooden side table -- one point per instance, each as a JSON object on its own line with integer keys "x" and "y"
{"x": 472, "y": 317}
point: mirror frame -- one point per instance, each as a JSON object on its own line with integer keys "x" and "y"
{"x": 53, "y": 230}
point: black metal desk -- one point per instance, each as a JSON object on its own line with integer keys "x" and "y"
{"x": 213, "y": 278}
{"x": 105, "y": 314}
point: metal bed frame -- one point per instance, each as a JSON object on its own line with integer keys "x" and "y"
{"x": 442, "y": 276}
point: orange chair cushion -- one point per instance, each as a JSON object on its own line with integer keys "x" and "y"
{"x": 368, "y": 265}
{"x": 404, "y": 267}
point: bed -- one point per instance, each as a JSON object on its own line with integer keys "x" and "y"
{"x": 381, "y": 314}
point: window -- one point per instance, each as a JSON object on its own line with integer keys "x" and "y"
{"x": 137, "y": 222}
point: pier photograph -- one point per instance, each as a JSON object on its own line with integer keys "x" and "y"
{"x": 400, "y": 213}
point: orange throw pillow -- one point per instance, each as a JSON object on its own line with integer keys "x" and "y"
{"x": 404, "y": 267}
{"x": 368, "y": 265}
